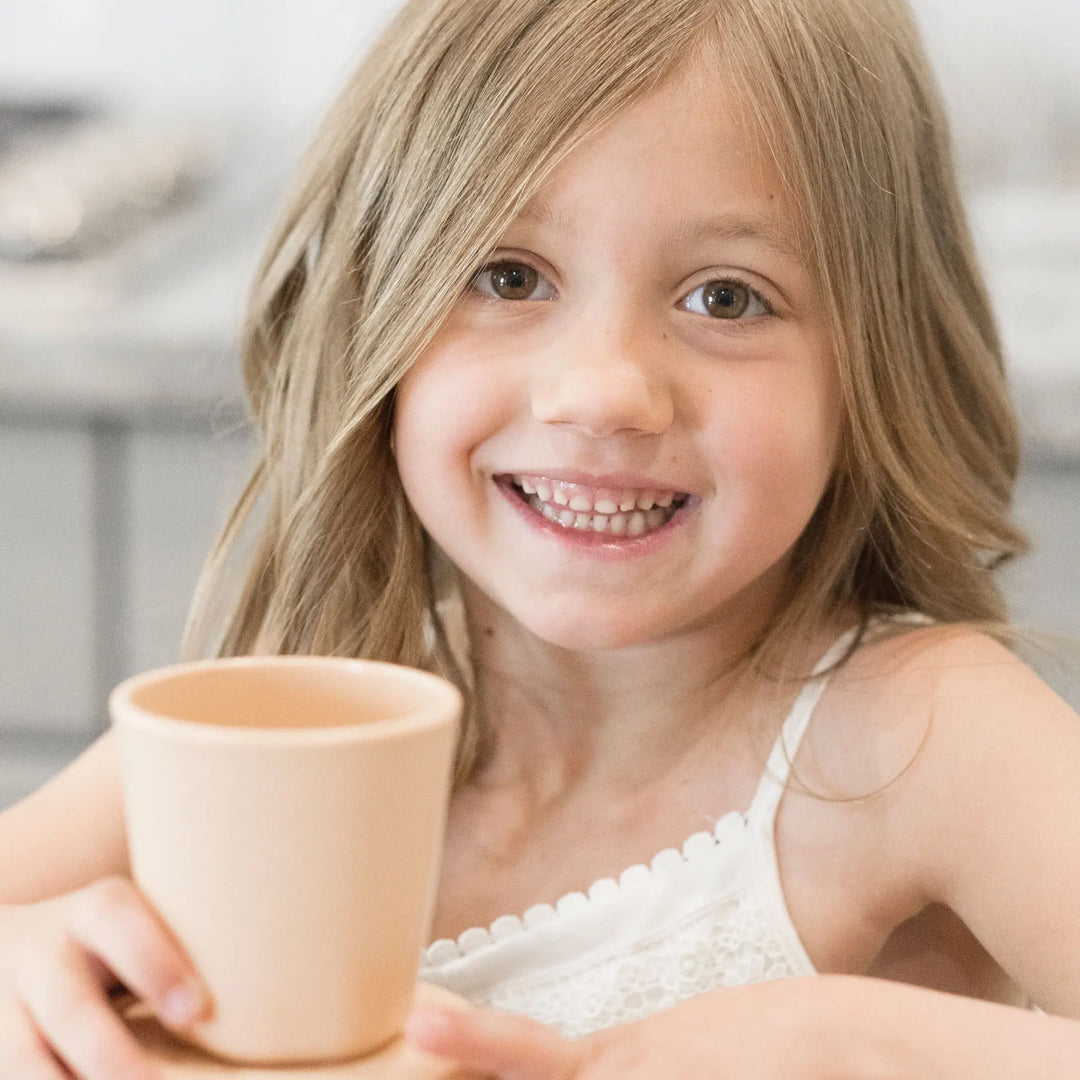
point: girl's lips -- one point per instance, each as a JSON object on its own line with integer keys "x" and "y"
{"x": 572, "y": 513}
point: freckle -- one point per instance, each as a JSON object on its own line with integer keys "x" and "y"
{"x": 489, "y": 631}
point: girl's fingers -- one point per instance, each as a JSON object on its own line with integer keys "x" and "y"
{"x": 23, "y": 1052}
{"x": 495, "y": 1043}
{"x": 115, "y": 924}
{"x": 67, "y": 1005}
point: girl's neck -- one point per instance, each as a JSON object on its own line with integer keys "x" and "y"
{"x": 566, "y": 720}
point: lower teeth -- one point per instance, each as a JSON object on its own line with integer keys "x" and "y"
{"x": 633, "y": 523}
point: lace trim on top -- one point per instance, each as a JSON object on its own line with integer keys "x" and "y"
{"x": 729, "y": 942}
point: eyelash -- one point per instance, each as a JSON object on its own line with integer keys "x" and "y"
{"x": 755, "y": 295}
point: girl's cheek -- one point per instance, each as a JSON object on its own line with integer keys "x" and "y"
{"x": 438, "y": 421}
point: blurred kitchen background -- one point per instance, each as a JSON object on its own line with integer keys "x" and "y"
{"x": 142, "y": 148}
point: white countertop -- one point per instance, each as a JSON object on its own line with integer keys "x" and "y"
{"x": 148, "y": 331}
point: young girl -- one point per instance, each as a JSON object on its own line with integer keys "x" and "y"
{"x": 642, "y": 339}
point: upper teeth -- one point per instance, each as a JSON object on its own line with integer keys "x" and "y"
{"x": 622, "y": 512}
{"x": 588, "y": 500}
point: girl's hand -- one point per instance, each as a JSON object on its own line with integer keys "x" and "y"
{"x": 58, "y": 961}
{"x": 770, "y": 1031}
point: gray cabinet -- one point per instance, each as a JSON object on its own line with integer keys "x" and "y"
{"x": 1043, "y": 586}
{"x": 46, "y": 578}
{"x": 103, "y": 531}
{"x": 181, "y": 487}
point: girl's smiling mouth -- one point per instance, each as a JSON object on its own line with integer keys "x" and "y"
{"x": 615, "y": 513}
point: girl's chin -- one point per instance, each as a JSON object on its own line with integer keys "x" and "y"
{"x": 573, "y": 621}
{"x": 593, "y": 631}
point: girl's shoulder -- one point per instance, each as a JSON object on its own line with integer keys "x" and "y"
{"x": 927, "y": 701}
{"x": 947, "y": 742}
{"x": 963, "y": 767}
{"x": 945, "y": 774}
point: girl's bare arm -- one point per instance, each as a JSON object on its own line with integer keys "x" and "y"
{"x": 68, "y": 833}
{"x": 994, "y": 817}
{"x": 832, "y": 1027}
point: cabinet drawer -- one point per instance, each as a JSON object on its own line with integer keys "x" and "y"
{"x": 181, "y": 488}
{"x": 46, "y": 578}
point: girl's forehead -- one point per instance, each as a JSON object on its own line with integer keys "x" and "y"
{"x": 695, "y": 164}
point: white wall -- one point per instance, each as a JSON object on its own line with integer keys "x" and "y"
{"x": 1007, "y": 67}
{"x": 1011, "y": 75}
{"x": 275, "y": 60}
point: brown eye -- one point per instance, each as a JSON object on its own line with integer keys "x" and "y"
{"x": 512, "y": 281}
{"x": 726, "y": 299}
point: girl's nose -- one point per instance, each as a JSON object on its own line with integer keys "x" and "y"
{"x": 603, "y": 386}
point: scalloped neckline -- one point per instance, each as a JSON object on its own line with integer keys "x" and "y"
{"x": 697, "y": 845}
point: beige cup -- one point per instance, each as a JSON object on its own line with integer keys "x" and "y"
{"x": 285, "y": 817}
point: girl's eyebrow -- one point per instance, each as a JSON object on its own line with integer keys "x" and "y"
{"x": 724, "y": 228}
{"x": 729, "y": 228}
{"x": 537, "y": 211}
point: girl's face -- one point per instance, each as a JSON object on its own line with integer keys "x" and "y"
{"x": 631, "y": 415}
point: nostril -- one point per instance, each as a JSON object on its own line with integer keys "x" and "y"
{"x": 605, "y": 414}
{"x": 604, "y": 402}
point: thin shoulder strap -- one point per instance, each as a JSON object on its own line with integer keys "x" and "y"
{"x": 778, "y": 768}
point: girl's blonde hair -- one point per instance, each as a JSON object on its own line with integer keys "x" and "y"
{"x": 454, "y": 120}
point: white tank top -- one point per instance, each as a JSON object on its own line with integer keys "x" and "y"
{"x": 707, "y": 916}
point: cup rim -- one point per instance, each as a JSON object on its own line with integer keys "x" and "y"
{"x": 124, "y": 712}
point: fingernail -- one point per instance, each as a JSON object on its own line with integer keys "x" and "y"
{"x": 181, "y": 1005}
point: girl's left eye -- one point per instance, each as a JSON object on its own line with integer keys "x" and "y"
{"x": 509, "y": 280}
{"x": 726, "y": 298}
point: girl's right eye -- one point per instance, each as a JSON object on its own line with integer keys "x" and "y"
{"x": 509, "y": 280}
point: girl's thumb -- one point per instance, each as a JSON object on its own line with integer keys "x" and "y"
{"x": 494, "y": 1043}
